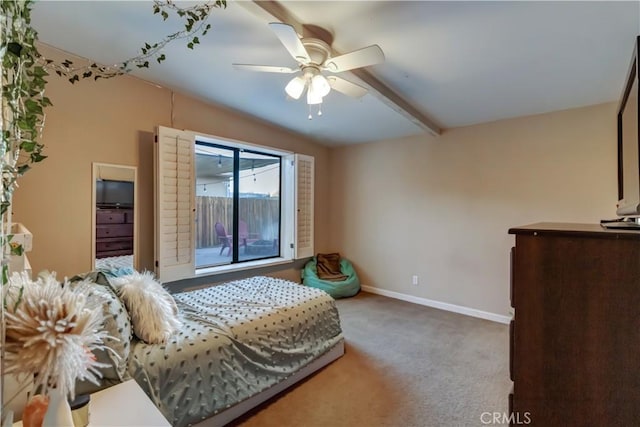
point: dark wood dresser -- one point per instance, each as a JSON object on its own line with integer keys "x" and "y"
{"x": 114, "y": 232}
{"x": 575, "y": 335}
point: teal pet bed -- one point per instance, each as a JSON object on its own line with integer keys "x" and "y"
{"x": 337, "y": 289}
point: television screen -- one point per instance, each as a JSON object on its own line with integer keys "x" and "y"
{"x": 629, "y": 146}
{"x": 114, "y": 193}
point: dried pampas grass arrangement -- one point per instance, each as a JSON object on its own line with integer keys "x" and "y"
{"x": 50, "y": 333}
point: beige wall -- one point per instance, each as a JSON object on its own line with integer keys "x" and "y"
{"x": 113, "y": 121}
{"x": 440, "y": 208}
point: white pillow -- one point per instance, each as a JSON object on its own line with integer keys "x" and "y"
{"x": 153, "y": 311}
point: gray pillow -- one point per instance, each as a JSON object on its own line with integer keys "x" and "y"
{"x": 117, "y": 323}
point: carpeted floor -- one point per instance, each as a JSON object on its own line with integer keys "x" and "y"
{"x": 405, "y": 365}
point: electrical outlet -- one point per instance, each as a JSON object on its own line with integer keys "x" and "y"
{"x": 414, "y": 280}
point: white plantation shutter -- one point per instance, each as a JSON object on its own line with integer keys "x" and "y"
{"x": 303, "y": 188}
{"x": 174, "y": 204}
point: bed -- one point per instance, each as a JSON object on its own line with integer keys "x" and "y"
{"x": 239, "y": 344}
{"x": 114, "y": 262}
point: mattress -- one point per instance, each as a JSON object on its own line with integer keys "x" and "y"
{"x": 238, "y": 339}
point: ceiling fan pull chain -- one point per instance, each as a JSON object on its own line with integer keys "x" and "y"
{"x": 310, "y": 116}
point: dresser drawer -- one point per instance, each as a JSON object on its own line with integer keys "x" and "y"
{"x": 114, "y": 244}
{"x": 511, "y": 403}
{"x": 110, "y": 217}
{"x": 512, "y": 262}
{"x": 114, "y": 230}
{"x": 512, "y": 326}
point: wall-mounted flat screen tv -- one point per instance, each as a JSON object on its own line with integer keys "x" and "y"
{"x": 114, "y": 194}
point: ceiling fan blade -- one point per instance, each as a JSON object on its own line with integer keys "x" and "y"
{"x": 264, "y": 68}
{"x": 346, "y": 87}
{"x": 364, "y": 57}
{"x": 289, "y": 38}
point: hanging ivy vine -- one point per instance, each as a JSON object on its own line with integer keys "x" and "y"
{"x": 24, "y": 72}
{"x": 195, "y": 24}
{"x": 23, "y": 100}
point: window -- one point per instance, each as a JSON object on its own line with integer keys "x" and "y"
{"x": 223, "y": 204}
{"x": 237, "y": 205}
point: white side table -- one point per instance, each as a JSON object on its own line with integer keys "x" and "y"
{"x": 123, "y": 405}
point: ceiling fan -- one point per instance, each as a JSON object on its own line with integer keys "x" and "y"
{"x": 314, "y": 57}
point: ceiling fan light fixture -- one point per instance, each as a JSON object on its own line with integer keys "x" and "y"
{"x": 313, "y": 97}
{"x": 295, "y": 87}
{"x": 320, "y": 85}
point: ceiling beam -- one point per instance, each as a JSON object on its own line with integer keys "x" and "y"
{"x": 274, "y": 10}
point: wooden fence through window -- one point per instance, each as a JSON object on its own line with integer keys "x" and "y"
{"x": 262, "y": 216}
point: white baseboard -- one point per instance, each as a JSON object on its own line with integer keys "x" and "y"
{"x": 440, "y": 305}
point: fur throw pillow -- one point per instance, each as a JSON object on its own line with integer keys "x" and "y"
{"x": 153, "y": 311}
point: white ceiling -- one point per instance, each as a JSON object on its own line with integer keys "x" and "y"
{"x": 459, "y": 63}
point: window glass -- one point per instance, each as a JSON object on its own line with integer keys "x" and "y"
{"x": 214, "y": 205}
{"x": 258, "y": 206}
